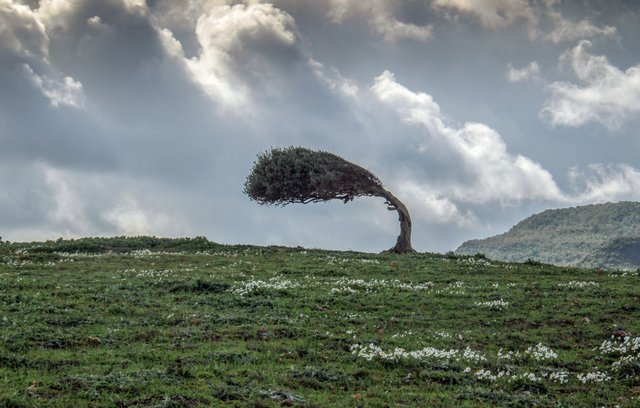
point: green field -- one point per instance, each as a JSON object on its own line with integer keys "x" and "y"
{"x": 146, "y": 322}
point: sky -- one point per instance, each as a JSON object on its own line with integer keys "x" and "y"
{"x": 133, "y": 117}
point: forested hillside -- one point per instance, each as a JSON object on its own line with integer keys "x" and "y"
{"x": 568, "y": 236}
{"x": 619, "y": 253}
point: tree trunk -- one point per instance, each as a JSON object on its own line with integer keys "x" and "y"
{"x": 403, "y": 244}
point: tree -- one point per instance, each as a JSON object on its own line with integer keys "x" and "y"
{"x": 299, "y": 175}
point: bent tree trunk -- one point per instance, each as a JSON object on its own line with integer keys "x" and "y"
{"x": 403, "y": 245}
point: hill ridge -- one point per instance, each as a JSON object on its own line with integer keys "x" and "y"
{"x": 573, "y": 236}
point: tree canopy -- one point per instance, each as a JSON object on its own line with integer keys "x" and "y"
{"x": 299, "y": 175}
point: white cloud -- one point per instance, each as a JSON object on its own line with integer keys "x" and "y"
{"x": 566, "y": 30}
{"x": 68, "y": 217}
{"x": 170, "y": 44}
{"x": 414, "y": 107}
{"x": 83, "y": 203}
{"x": 131, "y": 218}
{"x": 606, "y": 94}
{"x": 95, "y": 22}
{"x": 605, "y": 183}
{"x": 22, "y": 35}
{"x": 135, "y": 4}
{"x": 432, "y": 207}
{"x": 492, "y": 13}
{"x": 221, "y": 34}
{"x": 339, "y": 9}
{"x": 183, "y": 15}
{"x": 66, "y": 91}
{"x": 470, "y": 165}
{"x": 484, "y": 170}
{"x": 224, "y": 26}
{"x": 381, "y": 19}
{"x": 393, "y": 30}
{"x": 24, "y": 41}
{"x": 52, "y": 12}
{"x": 332, "y": 78}
{"x": 502, "y": 13}
{"x": 530, "y": 72}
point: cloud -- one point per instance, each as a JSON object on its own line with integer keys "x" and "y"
{"x": 64, "y": 92}
{"x": 81, "y": 204}
{"x": 471, "y": 165}
{"x": 499, "y": 14}
{"x": 393, "y": 30}
{"x": 605, "y": 94}
{"x": 68, "y": 215}
{"x": 432, "y": 207}
{"x": 492, "y": 13}
{"x": 332, "y": 78}
{"x": 381, "y": 19}
{"x": 23, "y": 35}
{"x": 529, "y": 73}
{"x": 239, "y": 44}
{"x": 24, "y": 43}
{"x": 567, "y": 30}
{"x": 479, "y": 166}
{"x": 603, "y": 183}
{"x": 129, "y": 217}
{"x": 133, "y": 117}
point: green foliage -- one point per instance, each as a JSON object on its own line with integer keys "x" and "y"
{"x": 532, "y": 262}
{"x": 578, "y": 236}
{"x": 118, "y": 245}
{"x": 620, "y": 253}
{"x": 299, "y": 175}
{"x": 272, "y": 327}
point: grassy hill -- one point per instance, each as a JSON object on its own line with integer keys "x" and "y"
{"x": 564, "y": 236}
{"x": 148, "y": 322}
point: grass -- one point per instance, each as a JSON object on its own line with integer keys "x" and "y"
{"x": 145, "y": 322}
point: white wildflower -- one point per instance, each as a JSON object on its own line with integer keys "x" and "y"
{"x": 493, "y": 304}
{"x": 595, "y": 376}
{"x": 273, "y": 283}
{"x": 626, "y": 361}
{"x": 531, "y": 377}
{"x": 578, "y": 284}
{"x": 628, "y": 344}
{"x": 372, "y": 351}
{"x": 343, "y": 289}
{"x": 561, "y": 377}
{"x": 442, "y": 334}
{"x": 508, "y": 355}
{"x": 403, "y": 334}
{"x": 470, "y": 355}
{"x": 540, "y": 352}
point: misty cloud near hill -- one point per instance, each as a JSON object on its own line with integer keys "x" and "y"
{"x": 132, "y": 117}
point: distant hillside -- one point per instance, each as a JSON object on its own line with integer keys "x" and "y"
{"x": 619, "y": 253}
{"x": 583, "y": 236}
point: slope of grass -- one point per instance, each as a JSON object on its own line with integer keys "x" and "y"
{"x": 191, "y": 324}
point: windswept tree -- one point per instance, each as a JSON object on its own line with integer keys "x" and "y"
{"x": 299, "y": 175}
